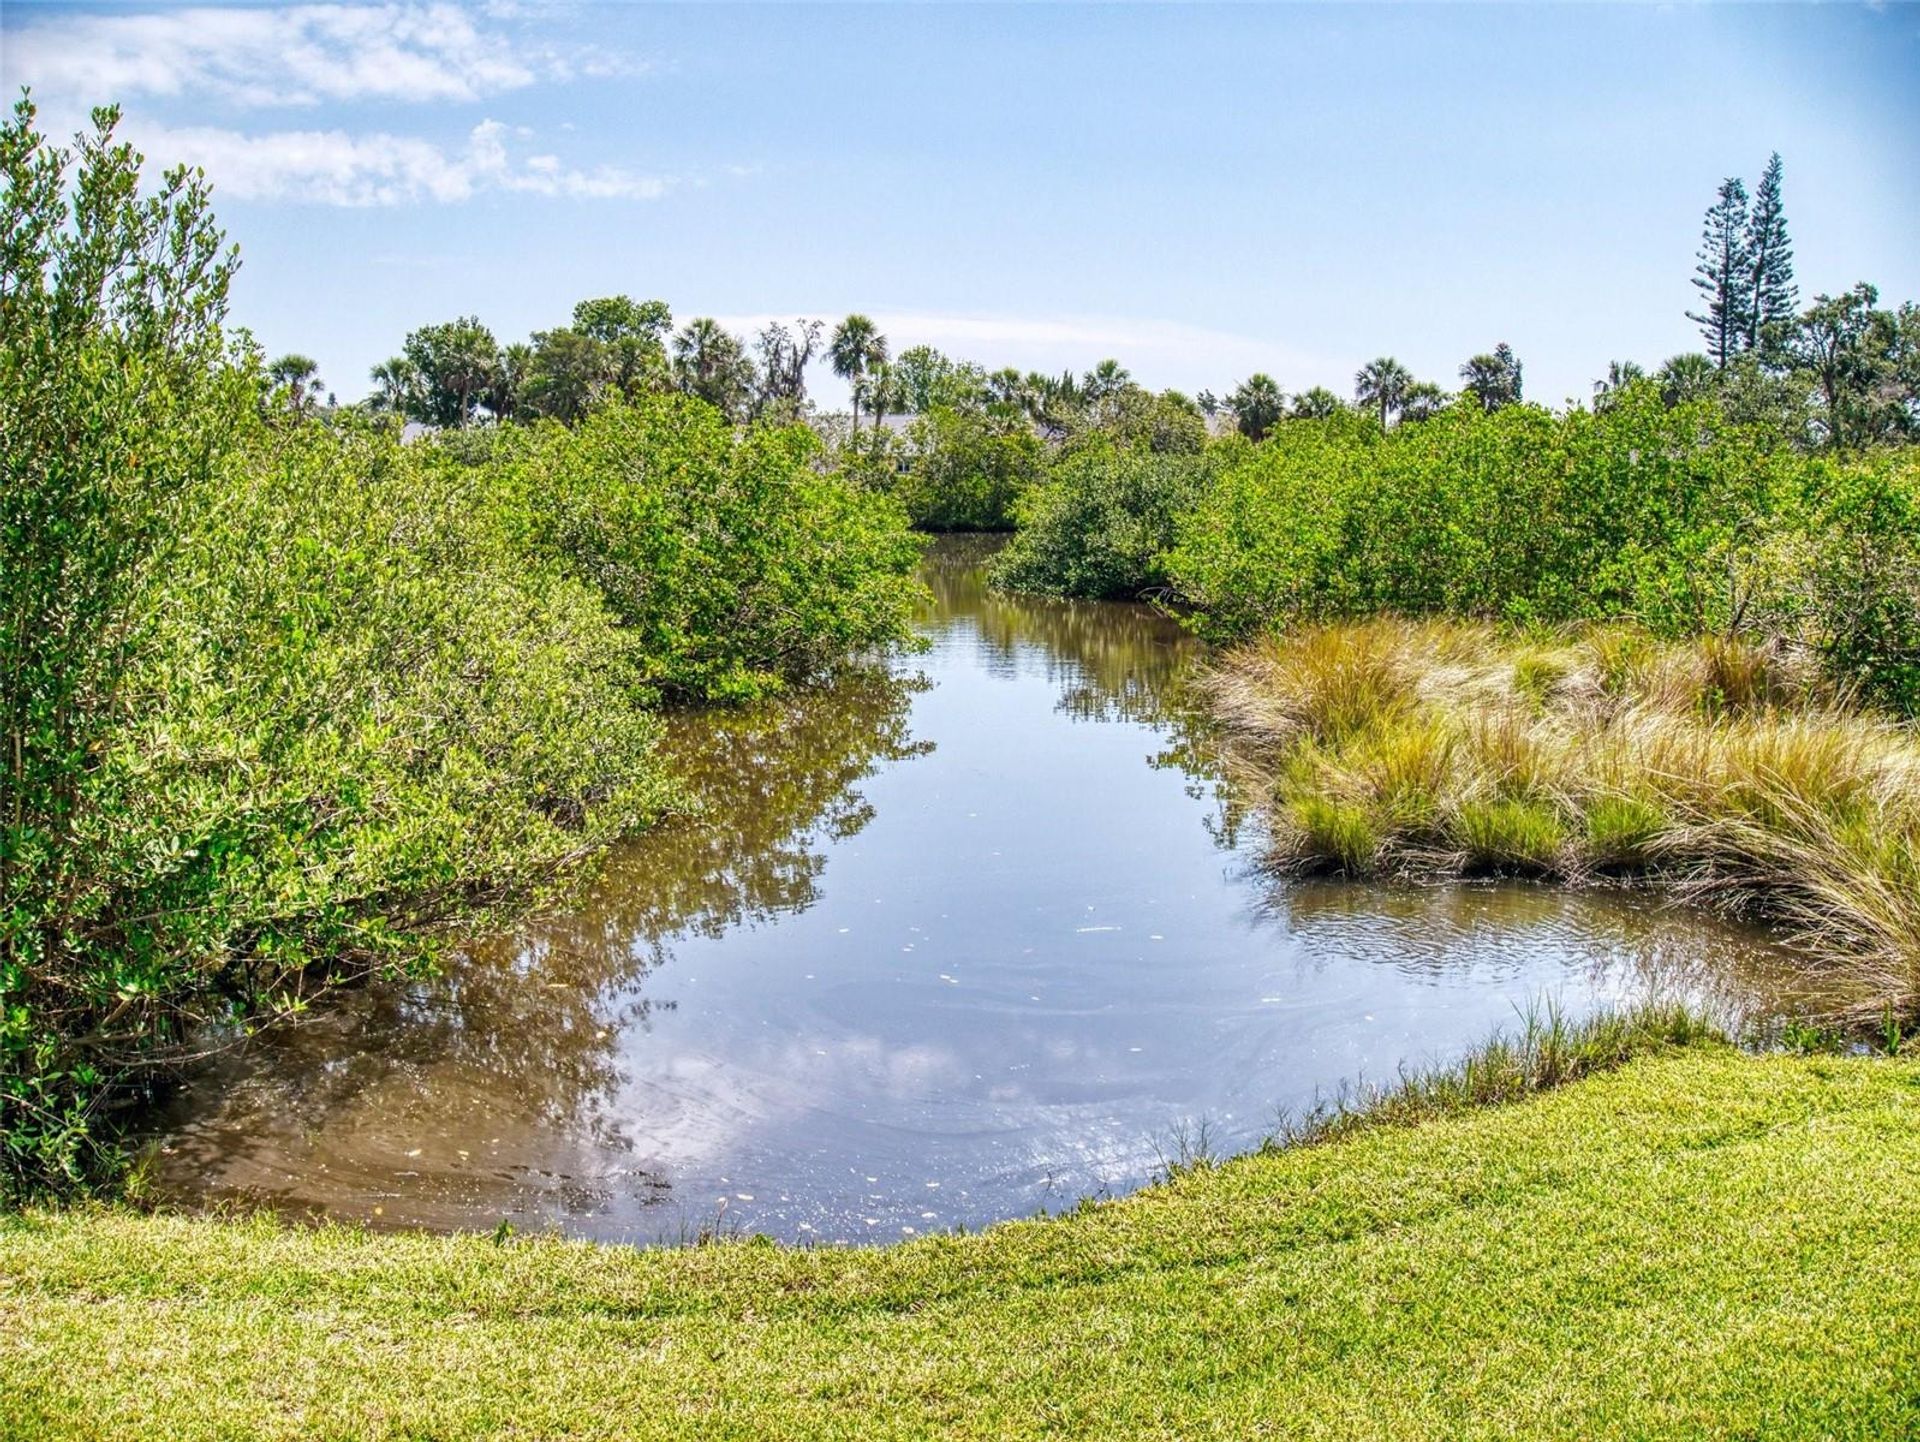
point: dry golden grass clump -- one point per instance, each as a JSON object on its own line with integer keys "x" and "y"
{"x": 1730, "y": 772}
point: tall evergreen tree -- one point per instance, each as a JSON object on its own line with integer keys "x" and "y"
{"x": 1771, "y": 294}
{"x": 1723, "y": 274}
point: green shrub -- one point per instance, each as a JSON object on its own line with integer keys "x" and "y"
{"x": 286, "y": 703}
{"x": 956, "y": 468}
{"x": 1862, "y": 574}
{"x": 732, "y": 562}
{"x": 1674, "y": 518}
{"x": 1100, "y": 523}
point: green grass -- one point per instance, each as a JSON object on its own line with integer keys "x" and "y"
{"x": 1699, "y": 1242}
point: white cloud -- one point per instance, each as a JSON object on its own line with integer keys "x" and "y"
{"x": 332, "y": 167}
{"x": 174, "y": 65}
{"x": 270, "y": 56}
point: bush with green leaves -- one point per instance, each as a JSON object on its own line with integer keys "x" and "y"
{"x": 1514, "y": 514}
{"x": 734, "y": 563}
{"x": 964, "y": 468}
{"x": 360, "y": 723}
{"x": 288, "y": 703}
{"x": 1101, "y": 523}
{"x": 1851, "y": 577}
{"x": 1673, "y": 516}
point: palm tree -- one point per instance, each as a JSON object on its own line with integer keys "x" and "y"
{"x": 507, "y": 388}
{"x": 712, "y": 364}
{"x": 396, "y": 383}
{"x": 1007, "y": 387}
{"x": 1107, "y": 379}
{"x": 886, "y": 393}
{"x": 299, "y": 376}
{"x": 855, "y": 348}
{"x": 1382, "y": 385}
{"x": 1493, "y": 379}
{"x": 1317, "y": 404}
{"x": 1055, "y": 403}
{"x": 1422, "y": 401}
{"x": 1620, "y": 375}
{"x": 1687, "y": 377}
{"x": 1257, "y": 403}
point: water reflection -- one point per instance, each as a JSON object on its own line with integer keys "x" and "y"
{"x": 949, "y": 941}
{"x": 1112, "y": 661}
{"x": 513, "y": 1048}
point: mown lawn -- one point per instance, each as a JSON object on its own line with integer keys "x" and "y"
{"x": 1703, "y": 1243}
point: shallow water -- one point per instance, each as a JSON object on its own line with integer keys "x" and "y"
{"x": 963, "y": 938}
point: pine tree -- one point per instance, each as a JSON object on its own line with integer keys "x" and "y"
{"x": 1772, "y": 297}
{"x": 1723, "y": 274}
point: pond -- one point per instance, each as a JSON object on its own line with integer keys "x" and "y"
{"x": 968, "y": 936}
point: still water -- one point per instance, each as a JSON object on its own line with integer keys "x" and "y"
{"x": 963, "y": 938}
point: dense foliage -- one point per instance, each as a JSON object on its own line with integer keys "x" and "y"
{"x": 1104, "y": 520}
{"x": 286, "y": 700}
{"x": 1675, "y": 517}
{"x": 732, "y": 561}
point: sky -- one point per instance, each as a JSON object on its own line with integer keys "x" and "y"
{"x": 1199, "y": 192}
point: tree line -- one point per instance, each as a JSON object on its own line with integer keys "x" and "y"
{"x": 1842, "y": 372}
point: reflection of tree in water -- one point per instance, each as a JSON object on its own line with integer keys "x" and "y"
{"x": 535, "y": 1017}
{"x": 1113, "y": 662}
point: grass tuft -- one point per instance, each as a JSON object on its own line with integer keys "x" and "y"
{"x": 1720, "y": 769}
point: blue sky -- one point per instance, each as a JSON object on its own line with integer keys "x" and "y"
{"x": 1202, "y": 192}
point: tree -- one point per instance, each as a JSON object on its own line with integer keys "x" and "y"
{"x": 1423, "y": 401}
{"x": 855, "y": 348}
{"x": 1381, "y": 385}
{"x": 1772, "y": 296}
{"x": 1864, "y": 365}
{"x": 1316, "y": 404}
{"x": 396, "y": 387}
{"x": 1686, "y": 378}
{"x": 506, "y": 388}
{"x": 1620, "y": 375}
{"x": 1257, "y": 404}
{"x": 1493, "y": 379}
{"x": 299, "y": 377}
{"x": 1007, "y": 388}
{"x": 929, "y": 378}
{"x": 1056, "y": 404}
{"x": 1104, "y": 381}
{"x": 565, "y": 374}
{"x": 633, "y": 334}
{"x": 620, "y": 317}
{"x": 784, "y": 357}
{"x": 456, "y": 362}
{"x": 884, "y": 391}
{"x": 709, "y": 362}
{"x": 1724, "y": 274}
